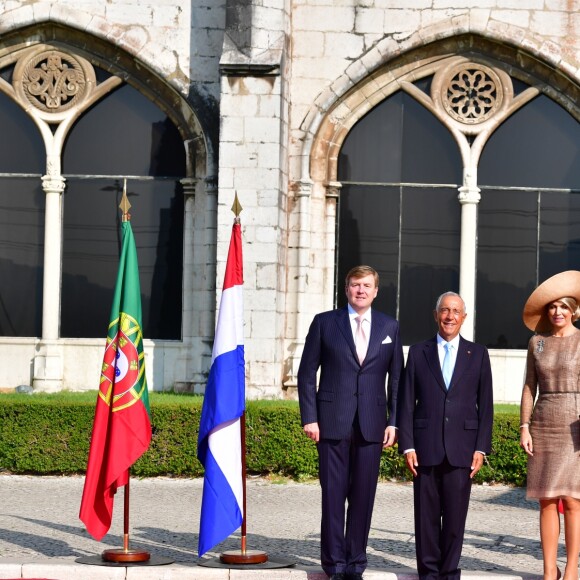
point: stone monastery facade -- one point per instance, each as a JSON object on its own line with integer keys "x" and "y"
{"x": 264, "y": 94}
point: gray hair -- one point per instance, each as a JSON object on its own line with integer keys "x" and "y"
{"x": 444, "y": 295}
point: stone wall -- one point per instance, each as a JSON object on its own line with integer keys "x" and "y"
{"x": 267, "y": 80}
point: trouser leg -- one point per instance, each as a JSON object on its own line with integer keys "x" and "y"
{"x": 427, "y": 504}
{"x": 333, "y": 474}
{"x": 365, "y": 460}
{"x": 456, "y": 490}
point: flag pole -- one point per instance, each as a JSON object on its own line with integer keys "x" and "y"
{"x": 125, "y": 554}
{"x": 242, "y": 556}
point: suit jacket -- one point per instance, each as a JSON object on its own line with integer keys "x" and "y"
{"x": 438, "y": 422}
{"x": 346, "y": 386}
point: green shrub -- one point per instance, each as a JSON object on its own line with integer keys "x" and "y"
{"x": 50, "y": 434}
{"x": 507, "y": 462}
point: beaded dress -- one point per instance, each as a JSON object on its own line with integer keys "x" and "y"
{"x": 553, "y": 373}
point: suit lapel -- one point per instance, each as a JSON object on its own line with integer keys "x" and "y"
{"x": 378, "y": 333}
{"x": 462, "y": 361}
{"x": 343, "y": 323}
{"x": 433, "y": 361}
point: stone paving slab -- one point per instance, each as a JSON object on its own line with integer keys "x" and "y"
{"x": 41, "y": 535}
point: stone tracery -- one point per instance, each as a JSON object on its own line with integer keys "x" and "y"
{"x": 472, "y": 93}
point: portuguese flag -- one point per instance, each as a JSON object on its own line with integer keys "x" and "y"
{"x": 122, "y": 427}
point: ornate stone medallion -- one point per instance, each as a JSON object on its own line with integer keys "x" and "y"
{"x": 471, "y": 93}
{"x": 54, "y": 81}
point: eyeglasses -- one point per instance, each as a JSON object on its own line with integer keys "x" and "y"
{"x": 453, "y": 311}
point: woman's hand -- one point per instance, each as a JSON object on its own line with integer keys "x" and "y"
{"x": 526, "y": 440}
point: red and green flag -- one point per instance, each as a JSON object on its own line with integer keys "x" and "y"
{"x": 122, "y": 426}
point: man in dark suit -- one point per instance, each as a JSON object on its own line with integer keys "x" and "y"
{"x": 351, "y": 416}
{"x": 445, "y": 419}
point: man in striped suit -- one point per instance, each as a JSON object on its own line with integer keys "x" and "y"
{"x": 351, "y": 416}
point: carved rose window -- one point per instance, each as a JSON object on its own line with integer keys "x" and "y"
{"x": 472, "y": 94}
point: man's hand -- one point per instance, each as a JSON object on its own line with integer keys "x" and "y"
{"x": 476, "y": 463}
{"x": 390, "y": 437}
{"x": 412, "y": 463}
{"x": 312, "y": 431}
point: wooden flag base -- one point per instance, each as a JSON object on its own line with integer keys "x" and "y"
{"x": 121, "y": 555}
{"x": 243, "y": 557}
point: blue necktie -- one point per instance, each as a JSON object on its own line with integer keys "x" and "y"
{"x": 447, "y": 368}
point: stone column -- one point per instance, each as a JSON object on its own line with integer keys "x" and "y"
{"x": 303, "y": 193}
{"x": 332, "y": 195}
{"x": 209, "y": 304}
{"x": 199, "y": 274}
{"x": 182, "y": 382}
{"x": 189, "y": 187}
{"x": 469, "y": 196}
{"x": 205, "y": 263}
{"x": 48, "y": 362}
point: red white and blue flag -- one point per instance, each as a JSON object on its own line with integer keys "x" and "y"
{"x": 219, "y": 446}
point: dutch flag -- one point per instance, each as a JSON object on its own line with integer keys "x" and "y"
{"x": 219, "y": 446}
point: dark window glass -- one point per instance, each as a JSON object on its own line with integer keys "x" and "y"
{"x": 22, "y": 204}
{"x": 538, "y": 146}
{"x": 21, "y": 146}
{"x": 559, "y": 233}
{"x": 91, "y": 245}
{"x": 124, "y": 134}
{"x": 429, "y": 257}
{"x": 399, "y": 141}
{"x": 506, "y": 265}
{"x": 525, "y": 236}
{"x": 409, "y": 234}
{"x": 423, "y": 253}
{"x": 369, "y": 234}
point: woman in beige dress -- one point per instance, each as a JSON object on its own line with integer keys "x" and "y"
{"x": 550, "y": 422}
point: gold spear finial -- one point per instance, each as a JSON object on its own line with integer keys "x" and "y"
{"x": 125, "y": 205}
{"x": 237, "y": 208}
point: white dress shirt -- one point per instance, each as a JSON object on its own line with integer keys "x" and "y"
{"x": 441, "y": 342}
{"x": 366, "y": 322}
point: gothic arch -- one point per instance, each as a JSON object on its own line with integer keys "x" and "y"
{"x": 385, "y": 69}
{"x": 126, "y": 58}
{"x": 327, "y": 131}
{"x": 201, "y": 160}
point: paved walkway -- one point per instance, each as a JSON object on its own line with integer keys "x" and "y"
{"x": 42, "y": 537}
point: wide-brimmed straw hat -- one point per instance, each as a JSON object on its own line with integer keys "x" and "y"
{"x": 558, "y": 286}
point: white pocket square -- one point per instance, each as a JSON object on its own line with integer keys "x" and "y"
{"x": 387, "y": 340}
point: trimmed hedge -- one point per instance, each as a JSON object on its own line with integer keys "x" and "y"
{"x": 43, "y": 435}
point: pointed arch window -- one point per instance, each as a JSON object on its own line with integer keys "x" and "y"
{"x": 117, "y": 133}
{"x": 516, "y": 152}
{"x": 398, "y": 211}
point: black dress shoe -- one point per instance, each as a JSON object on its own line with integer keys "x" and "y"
{"x": 354, "y": 576}
{"x": 338, "y": 576}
